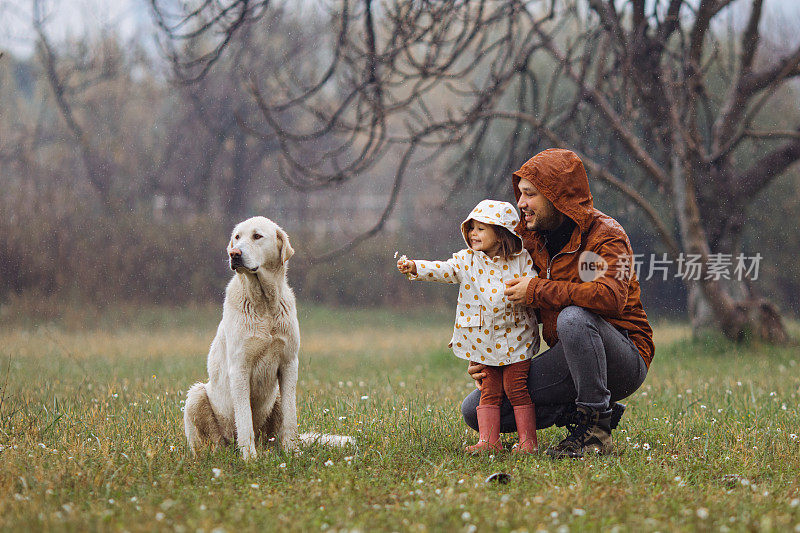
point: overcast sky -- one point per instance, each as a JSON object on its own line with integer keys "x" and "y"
{"x": 130, "y": 18}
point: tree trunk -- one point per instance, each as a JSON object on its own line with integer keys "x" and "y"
{"x": 759, "y": 318}
{"x": 738, "y": 320}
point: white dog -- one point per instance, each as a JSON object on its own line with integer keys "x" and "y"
{"x": 252, "y": 363}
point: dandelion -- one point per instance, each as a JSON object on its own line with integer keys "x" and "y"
{"x": 217, "y": 472}
{"x": 159, "y": 516}
{"x": 702, "y": 513}
{"x": 794, "y": 503}
{"x": 465, "y": 516}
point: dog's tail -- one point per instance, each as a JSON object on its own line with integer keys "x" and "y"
{"x": 339, "y": 441}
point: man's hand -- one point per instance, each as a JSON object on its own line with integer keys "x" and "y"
{"x": 407, "y": 266}
{"x": 516, "y": 290}
{"x": 475, "y": 371}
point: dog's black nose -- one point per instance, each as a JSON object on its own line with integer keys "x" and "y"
{"x": 236, "y": 258}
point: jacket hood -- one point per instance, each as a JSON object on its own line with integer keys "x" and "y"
{"x": 559, "y": 175}
{"x": 493, "y": 212}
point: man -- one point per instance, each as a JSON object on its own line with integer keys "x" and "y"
{"x": 588, "y": 299}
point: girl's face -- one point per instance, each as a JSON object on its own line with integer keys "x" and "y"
{"x": 482, "y": 238}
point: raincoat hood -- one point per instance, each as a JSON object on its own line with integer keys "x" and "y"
{"x": 559, "y": 175}
{"x": 493, "y": 212}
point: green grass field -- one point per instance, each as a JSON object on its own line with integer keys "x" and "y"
{"x": 91, "y": 436}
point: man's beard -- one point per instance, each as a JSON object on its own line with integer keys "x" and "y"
{"x": 546, "y": 221}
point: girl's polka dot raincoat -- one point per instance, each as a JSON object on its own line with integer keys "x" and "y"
{"x": 487, "y": 329}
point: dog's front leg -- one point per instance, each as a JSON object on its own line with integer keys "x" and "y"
{"x": 287, "y": 381}
{"x": 242, "y": 411}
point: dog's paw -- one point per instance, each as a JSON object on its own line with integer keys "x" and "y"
{"x": 249, "y": 452}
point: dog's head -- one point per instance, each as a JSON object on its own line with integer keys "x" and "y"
{"x": 258, "y": 243}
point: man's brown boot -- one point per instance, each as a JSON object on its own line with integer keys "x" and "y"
{"x": 591, "y": 433}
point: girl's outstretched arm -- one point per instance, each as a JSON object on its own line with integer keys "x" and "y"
{"x": 449, "y": 271}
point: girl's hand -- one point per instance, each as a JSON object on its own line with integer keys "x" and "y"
{"x": 407, "y": 266}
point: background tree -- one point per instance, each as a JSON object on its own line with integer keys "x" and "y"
{"x": 665, "y": 90}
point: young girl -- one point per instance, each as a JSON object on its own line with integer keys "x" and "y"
{"x": 488, "y": 329}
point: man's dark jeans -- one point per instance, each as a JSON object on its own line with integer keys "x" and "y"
{"x": 592, "y": 364}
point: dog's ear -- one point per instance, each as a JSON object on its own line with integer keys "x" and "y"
{"x": 283, "y": 245}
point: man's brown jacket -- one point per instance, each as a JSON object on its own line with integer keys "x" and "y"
{"x": 598, "y": 245}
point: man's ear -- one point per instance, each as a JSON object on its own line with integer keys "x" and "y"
{"x": 283, "y": 245}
